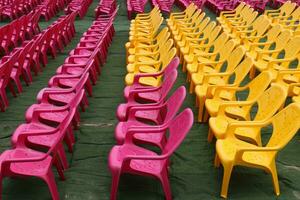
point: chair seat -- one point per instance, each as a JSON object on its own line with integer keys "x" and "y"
{"x": 118, "y": 153}
{"x": 36, "y": 168}
{"x": 68, "y": 82}
{"x": 63, "y": 98}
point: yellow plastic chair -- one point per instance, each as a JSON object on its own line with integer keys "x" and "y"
{"x": 294, "y": 27}
{"x": 294, "y": 91}
{"x": 231, "y": 14}
{"x": 141, "y": 58}
{"x": 210, "y": 31}
{"x": 145, "y": 52}
{"x": 163, "y": 34}
{"x": 213, "y": 60}
{"x": 146, "y": 30}
{"x": 194, "y": 32}
{"x": 145, "y": 21}
{"x": 274, "y": 61}
{"x": 268, "y": 102}
{"x": 199, "y": 43}
{"x": 258, "y": 50}
{"x": 151, "y": 67}
{"x": 221, "y": 79}
{"x": 291, "y": 19}
{"x": 285, "y": 10}
{"x": 252, "y": 43}
{"x": 191, "y": 30}
{"x": 239, "y": 18}
{"x": 182, "y": 16}
{"x": 225, "y": 96}
{"x": 232, "y": 151}
{"x": 289, "y": 79}
{"x": 145, "y": 44}
{"x": 146, "y": 16}
{"x": 247, "y": 18}
{"x": 257, "y": 28}
{"x": 189, "y": 23}
{"x": 191, "y": 59}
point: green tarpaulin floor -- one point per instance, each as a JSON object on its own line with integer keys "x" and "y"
{"x": 192, "y": 174}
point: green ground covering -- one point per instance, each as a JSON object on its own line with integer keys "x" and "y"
{"x": 192, "y": 174}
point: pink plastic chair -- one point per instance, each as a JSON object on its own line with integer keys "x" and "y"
{"x": 129, "y": 158}
{"x": 137, "y": 88}
{"x": 163, "y": 113}
{"x": 155, "y": 99}
{"x": 25, "y": 162}
{"x": 46, "y": 141}
{"x": 6, "y": 67}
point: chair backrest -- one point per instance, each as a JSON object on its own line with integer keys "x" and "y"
{"x": 173, "y": 65}
{"x": 173, "y": 104}
{"x": 214, "y": 34}
{"x": 208, "y": 29}
{"x": 296, "y": 13}
{"x": 234, "y": 58}
{"x": 178, "y": 129}
{"x": 261, "y": 25}
{"x": 292, "y": 48}
{"x": 282, "y": 39}
{"x": 273, "y": 32}
{"x": 259, "y": 84}
{"x": 7, "y": 66}
{"x": 221, "y": 40}
{"x": 270, "y": 101}
{"x": 197, "y": 17}
{"x": 285, "y": 125}
{"x": 226, "y": 50}
{"x": 163, "y": 35}
{"x": 287, "y": 8}
{"x": 239, "y": 8}
{"x": 167, "y": 85}
{"x": 169, "y": 56}
{"x": 242, "y": 70}
{"x": 202, "y": 25}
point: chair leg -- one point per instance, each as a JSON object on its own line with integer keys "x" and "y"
{"x": 192, "y": 87}
{"x": 62, "y": 156}
{"x": 206, "y": 115}
{"x": 4, "y": 97}
{"x": 59, "y": 167}
{"x": 273, "y": 172}
{"x": 166, "y": 185}
{"x": 50, "y": 180}
{"x": 217, "y": 161}
{"x": 12, "y": 89}
{"x": 226, "y": 178}
{"x": 210, "y": 136}
{"x": 18, "y": 84}
{"x": 114, "y": 185}
{"x": 201, "y": 101}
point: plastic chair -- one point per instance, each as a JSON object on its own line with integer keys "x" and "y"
{"x": 285, "y": 10}
{"x": 136, "y": 89}
{"x": 232, "y": 151}
{"x": 221, "y": 79}
{"x": 122, "y": 110}
{"x": 163, "y": 113}
{"x": 272, "y": 60}
{"x": 223, "y": 96}
{"x": 216, "y": 53}
{"x": 214, "y": 61}
{"x": 151, "y": 67}
{"x": 268, "y": 104}
{"x": 121, "y": 158}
